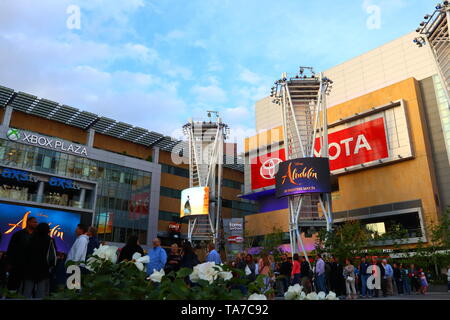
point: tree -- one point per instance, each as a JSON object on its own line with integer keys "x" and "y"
{"x": 345, "y": 241}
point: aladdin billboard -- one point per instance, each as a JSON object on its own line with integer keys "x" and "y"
{"x": 62, "y": 224}
{"x": 194, "y": 201}
{"x": 303, "y": 175}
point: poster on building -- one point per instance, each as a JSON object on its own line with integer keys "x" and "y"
{"x": 356, "y": 145}
{"x": 194, "y": 201}
{"x": 62, "y": 224}
{"x": 303, "y": 175}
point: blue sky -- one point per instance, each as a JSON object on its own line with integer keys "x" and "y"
{"x": 154, "y": 64}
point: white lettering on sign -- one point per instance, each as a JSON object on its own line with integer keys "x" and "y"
{"x": 53, "y": 143}
{"x": 335, "y": 149}
{"x": 235, "y": 226}
{"x": 362, "y": 143}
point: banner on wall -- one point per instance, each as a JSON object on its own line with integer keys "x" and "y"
{"x": 194, "y": 201}
{"x": 356, "y": 145}
{"x": 263, "y": 168}
{"x": 303, "y": 175}
{"x": 62, "y": 224}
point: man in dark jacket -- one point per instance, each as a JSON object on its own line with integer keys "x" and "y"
{"x": 285, "y": 271}
{"x": 93, "y": 241}
{"x": 305, "y": 275}
{"x": 17, "y": 254}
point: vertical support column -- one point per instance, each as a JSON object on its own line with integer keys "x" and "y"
{"x": 7, "y": 116}
{"x": 40, "y": 193}
{"x": 155, "y": 155}
{"x": 90, "y": 138}
{"x": 82, "y": 197}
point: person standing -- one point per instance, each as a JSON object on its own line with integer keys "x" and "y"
{"x": 174, "y": 259}
{"x": 158, "y": 257}
{"x": 295, "y": 273}
{"x": 363, "y": 276}
{"x": 285, "y": 271}
{"x": 93, "y": 241}
{"x": 406, "y": 281}
{"x": 41, "y": 260}
{"x": 79, "y": 248}
{"x": 341, "y": 290}
{"x": 349, "y": 276}
{"x": 132, "y": 246}
{"x": 17, "y": 254}
{"x": 266, "y": 271}
{"x": 328, "y": 274}
{"x": 398, "y": 279}
{"x": 250, "y": 268}
{"x": 320, "y": 273}
{"x": 213, "y": 255}
{"x": 305, "y": 274}
{"x": 388, "y": 275}
{"x": 189, "y": 259}
{"x": 415, "y": 282}
{"x": 448, "y": 278}
{"x": 423, "y": 282}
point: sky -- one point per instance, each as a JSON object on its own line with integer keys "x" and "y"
{"x": 157, "y": 63}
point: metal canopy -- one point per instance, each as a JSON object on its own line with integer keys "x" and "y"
{"x": 52, "y": 110}
{"x": 5, "y": 95}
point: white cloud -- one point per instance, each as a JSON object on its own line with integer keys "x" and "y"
{"x": 249, "y": 77}
{"x": 211, "y": 94}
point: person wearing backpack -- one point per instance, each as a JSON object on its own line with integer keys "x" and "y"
{"x": 41, "y": 260}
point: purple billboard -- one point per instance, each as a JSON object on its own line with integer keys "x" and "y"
{"x": 62, "y": 224}
{"x": 303, "y": 175}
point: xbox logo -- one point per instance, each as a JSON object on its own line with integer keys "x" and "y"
{"x": 13, "y": 134}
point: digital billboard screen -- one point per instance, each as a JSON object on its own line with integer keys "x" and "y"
{"x": 303, "y": 175}
{"x": 62, "y": 224}
{"x": 194, "y": 201}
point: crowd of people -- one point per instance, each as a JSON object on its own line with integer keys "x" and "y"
{"x": 347, "y": 279}
{"x": 33, "y": 266}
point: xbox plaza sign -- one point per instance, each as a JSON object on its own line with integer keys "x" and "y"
{"x": 46, "y": 142}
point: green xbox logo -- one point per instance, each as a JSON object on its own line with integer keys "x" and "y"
{"x": 13, "y": 134}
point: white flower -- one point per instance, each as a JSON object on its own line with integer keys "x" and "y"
{"x": 294, "y": 292}
{"x": 331, "y": 296}
{"x": 226, "y": 275}
{"x": 106, "y": 252}
{"x": 312, "y": 296}
{"x": 302, "y": 296}
{"x": 139, "y": 260}
{"x": 321, "y": 295}
{"x": 256, "y": 296}
{"x": 207, "y": 271}
{"x": 103, "y": 252}
{"x": 157, "y": 275}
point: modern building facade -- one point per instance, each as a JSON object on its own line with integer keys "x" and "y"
{"x": 56, "y": 160}
{"x": 388, "y": 128}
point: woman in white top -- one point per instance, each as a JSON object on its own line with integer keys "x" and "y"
{"x": 349, "y": 276}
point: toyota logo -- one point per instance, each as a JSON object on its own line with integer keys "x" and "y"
{"x": 268, "y": 168}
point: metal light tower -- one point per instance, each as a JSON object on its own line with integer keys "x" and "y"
{"x": 434, "y": 31}
{"x": 206, "y": 144}
{"x": 303, "y": 102}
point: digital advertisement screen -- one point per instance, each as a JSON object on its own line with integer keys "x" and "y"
{"x": 194, "y": 201}
{"x": 303, "y": 175}
{"x": 13, "y": 218}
